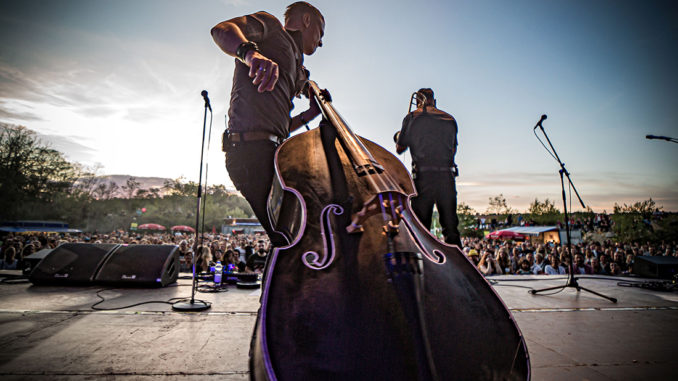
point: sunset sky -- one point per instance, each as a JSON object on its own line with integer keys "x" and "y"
{"x": 117, "y": 83}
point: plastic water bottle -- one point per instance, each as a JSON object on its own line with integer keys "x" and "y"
{"x": 217, "y": 273}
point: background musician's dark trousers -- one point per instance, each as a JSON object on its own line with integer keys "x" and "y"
{"x": 250, "y": 167}
{"x": 439, "y": 188}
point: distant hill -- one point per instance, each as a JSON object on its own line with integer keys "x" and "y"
{"x": 144, "y": 183}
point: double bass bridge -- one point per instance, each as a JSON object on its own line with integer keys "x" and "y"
{"x": 388, "y": 204}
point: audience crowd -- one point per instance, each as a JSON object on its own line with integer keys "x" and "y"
{"x": 494, "y": 257}
{"x": 245, "y": 252}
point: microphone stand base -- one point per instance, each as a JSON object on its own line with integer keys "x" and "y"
{"x": 572, "y": 282}
{"x": 188, "y": 305}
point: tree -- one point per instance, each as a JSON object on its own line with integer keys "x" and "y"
{"x": 30, "y": 171}
{"x": 632, "y": 223}
{"x": 498, "y": 205}
{"x": 467, "y": 221}
{"x": 37, "y": 182}
{"x": 105, "y": 191}
{"x": 131, "y": 187}
{"x": 544, "y": 213}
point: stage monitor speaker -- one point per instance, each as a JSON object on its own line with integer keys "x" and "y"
{"x": 655, "y": 267}
{"x": 32, "y": 261}
{"x": 141, "y": 266}
{"x": 248, "y": 280}
{"x": 71, "y": 264}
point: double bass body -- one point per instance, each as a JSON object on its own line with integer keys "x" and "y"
{"x": 363, "y": 291}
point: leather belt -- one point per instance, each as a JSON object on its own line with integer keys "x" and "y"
{"x": 235, "y": 137}
{"x": 433, "y": 169}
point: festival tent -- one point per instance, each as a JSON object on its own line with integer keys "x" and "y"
{"x": 37, "y": 227}
{"x": 505, "y": 234}
{"x": 151, "y": 227}
{"x": 182, "y": 228}
{"x": 542, "y": 234}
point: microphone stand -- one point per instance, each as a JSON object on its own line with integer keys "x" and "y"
{"x": 667, "y": 138}
{"x": 571, "y": 279}
{"x": 192, "y": 305}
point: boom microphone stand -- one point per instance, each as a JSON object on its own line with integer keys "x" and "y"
{"x": 571, "y": 279}
{"x": 667, "y": 138}
{"x": 192, "y": 304}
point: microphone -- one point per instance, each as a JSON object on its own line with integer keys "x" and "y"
{"x": 543, "y": 117}
{"x": 650, "y": 137}
{"x": 207, "y": 100}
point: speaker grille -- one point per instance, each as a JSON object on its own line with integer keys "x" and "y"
{"x": 71, "y": 263}
{"x": 141, "y": 266}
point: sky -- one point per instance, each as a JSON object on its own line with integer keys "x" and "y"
{"x": 116, "y": 85}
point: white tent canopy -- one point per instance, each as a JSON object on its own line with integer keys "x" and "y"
{"x": 532, "y": 230}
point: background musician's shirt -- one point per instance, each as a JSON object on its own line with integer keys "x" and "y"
{"x": 431, "y": 136}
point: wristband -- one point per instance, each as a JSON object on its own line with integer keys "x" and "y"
{"x": 244, "y": 48}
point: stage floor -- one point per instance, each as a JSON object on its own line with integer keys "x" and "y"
{"x": 51, "y": 333}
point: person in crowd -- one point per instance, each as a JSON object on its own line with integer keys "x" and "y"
{"x": 217, "y": 253}
{"x": 503, "y": 259}
{"x": 580, "y": 267}
{"x": 488, "y": 265}
{"x": 185, "y": 257}
{"x": 473, "y": 256}
{"x": 620, "y": 259}
{"x": 525, "y": 267}
{"x": 257, "y": 261}
{"x": 236, "y": 259}
{"x": 588, "y": 253}
{"x": 630, "y": 259}
{"x": 539, "y": 264}
{"x": 605, "y": 263}
{"x": 553, "y": 267}
{"x": 530, "y": 259}
{"x": 203, "y": 259}
{"x": 9, "y": 262}
{"x": 596, "y": 268}
{"x": 515, "y": 259}
{"x": 615, "y": 269}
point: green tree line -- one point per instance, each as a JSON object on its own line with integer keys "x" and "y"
{"x": 641, "y": 221}
{"x": 39, "y": 183}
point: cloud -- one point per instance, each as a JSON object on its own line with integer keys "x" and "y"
{"x": 17, "y": 116}
{"x": 234, "y": 3}
{"x": 598, "y": 190}
{"x": 70, "y": 146}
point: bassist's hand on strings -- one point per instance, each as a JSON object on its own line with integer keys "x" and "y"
{"x": 313, "y": 110}
{"x": 313, "y": 105}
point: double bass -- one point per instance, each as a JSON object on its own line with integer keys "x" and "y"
{"x": 363, "y": 291}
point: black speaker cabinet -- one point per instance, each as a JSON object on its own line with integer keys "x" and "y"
{"x": 655, "y": 267}
{"x": 248, "y": 280}
{"x": 141, "y": 266}
{"x": 32, "y": 261}
{"x": 71, "y": 264}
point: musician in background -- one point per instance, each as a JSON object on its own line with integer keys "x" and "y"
{"x": 431, "y": 136}
{"x": 269, "y": 73}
